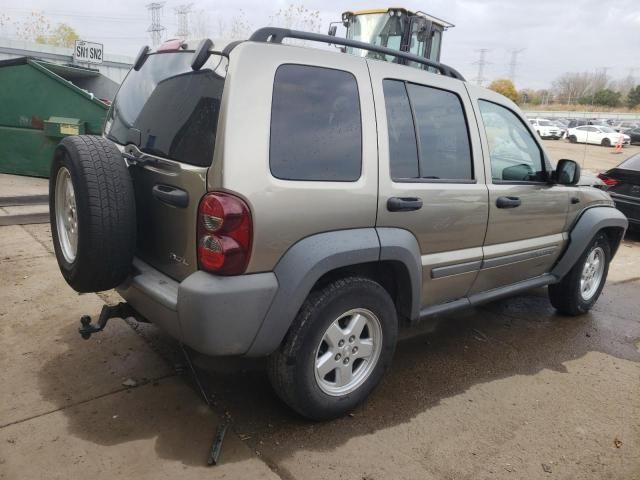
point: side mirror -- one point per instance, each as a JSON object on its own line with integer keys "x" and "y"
{"x": 332, "y": 30}
{"x": 567, "y": 172}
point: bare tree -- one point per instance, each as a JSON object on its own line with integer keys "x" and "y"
{"x": 572, "y": 86}
{"x": 297, "y": 17}
{"x": 237, "y": 28}
{"x": 200, "y": 25}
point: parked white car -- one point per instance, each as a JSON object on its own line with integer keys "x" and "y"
{"x": 545, "y": 128}
{"x": 597, "y": 135}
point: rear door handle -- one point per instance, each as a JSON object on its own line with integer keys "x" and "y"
{"x": 404, "y": 204}
{"x": 173, "y": 196}
{"x": 508, "y": 202}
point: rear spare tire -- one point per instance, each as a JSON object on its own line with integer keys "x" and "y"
{"x": 92, "y": 213}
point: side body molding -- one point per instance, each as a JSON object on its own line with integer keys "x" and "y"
{"x": 304, "y": 263}
{"x": 300, "y": 268}
{"x": 589, "y": 223}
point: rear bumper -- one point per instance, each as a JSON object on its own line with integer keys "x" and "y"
{"x": 211, "y": 314}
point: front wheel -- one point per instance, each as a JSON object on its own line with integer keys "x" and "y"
{"x": 572, "y": 138}
{"x": 579, "y": 290}
{"x": 606, "y": 142}
{"x": 337, "y": 349}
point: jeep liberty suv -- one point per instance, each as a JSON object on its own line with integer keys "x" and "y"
{"x": 302, "y": 204}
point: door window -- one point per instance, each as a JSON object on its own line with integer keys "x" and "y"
{"x": 514, "y": 153}
{"x": 403, "y": 150}
{"x": 316, "y": 130}
{"x": 428, "y": 135}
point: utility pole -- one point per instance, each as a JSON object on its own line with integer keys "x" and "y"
{"x": 513, "y": 63}
{"x": 182, "y": 12}
{"x": 482, "y": 62}
{"x": 155, "y": 29}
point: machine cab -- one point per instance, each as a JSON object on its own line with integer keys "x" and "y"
{"x": 398, "y": 29}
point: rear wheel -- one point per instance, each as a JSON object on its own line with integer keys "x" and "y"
{"x": 92, "y": 213}
{"x": 337, "y": 349}
{"x": 606, "y": 142}
{"x": 579, "y": 290}
{"x": 573, "y": 139}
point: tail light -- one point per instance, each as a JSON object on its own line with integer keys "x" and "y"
{"x": 608, "y": 181}
{"x": 225, "y": 233}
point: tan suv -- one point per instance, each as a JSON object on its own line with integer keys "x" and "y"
{"x": 302, "y": 204}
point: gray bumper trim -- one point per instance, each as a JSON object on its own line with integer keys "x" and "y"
{"x": 211, "y": 314}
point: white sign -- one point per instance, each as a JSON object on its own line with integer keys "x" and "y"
{"x": 87, "y": 52}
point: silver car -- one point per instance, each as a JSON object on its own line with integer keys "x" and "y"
{"x": 304, "y": 204}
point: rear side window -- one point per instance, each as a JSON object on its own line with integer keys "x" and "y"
{"x": 403, "y": 150}
{"x": 428, "y": 133}
{"x": 316, "y": 130}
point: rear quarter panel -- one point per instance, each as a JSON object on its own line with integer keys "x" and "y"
{"x": 284, "y": 211}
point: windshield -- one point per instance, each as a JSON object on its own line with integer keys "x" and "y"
{"x": 545, "y": 123}
{"x": 377, "y": 29}
{"x": 607, "y": 130}
{"x": 169, "y": 110}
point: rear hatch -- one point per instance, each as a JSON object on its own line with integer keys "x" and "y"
{"x": 165, "y": 116}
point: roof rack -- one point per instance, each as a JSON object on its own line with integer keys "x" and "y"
{"x": 277, "y": 35}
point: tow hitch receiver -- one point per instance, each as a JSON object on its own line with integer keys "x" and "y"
{"x": 121, "y": 310}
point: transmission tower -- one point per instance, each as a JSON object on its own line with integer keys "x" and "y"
{"x": 482, "y": 62}
{"x": 155, "y": 29}
{"x": 182, "y": 12}
{"x": 513, "y": 63}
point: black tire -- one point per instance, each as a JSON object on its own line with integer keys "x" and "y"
{"x": 572, "y": 139}
{"x": 106, "y": 217}
{"x": 606, "y": 142}
{"x": 566, "y": 296}
{"x": 292, "y": 367}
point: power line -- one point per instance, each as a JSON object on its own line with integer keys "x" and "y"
{"x": 513, "y": 63}
{"x": 482, "y": 62}
{"x": 182, "y": 12}
{"x": 156, "y": 29}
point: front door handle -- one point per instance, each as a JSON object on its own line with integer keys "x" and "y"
{"x": 173, "y": 196}
{"x": 404, "y": 204}
{"x": 508, "y": 202}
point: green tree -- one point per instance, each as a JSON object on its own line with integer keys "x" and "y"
{"x": 633, "y": 98}
{"x": 61, "y": 36}
{"x": 505, "y": 87}
{"x": 606, "y": 97}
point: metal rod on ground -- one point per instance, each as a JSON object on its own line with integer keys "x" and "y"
{"x": 194, "y": 374}
{"x": 216, "y": 446}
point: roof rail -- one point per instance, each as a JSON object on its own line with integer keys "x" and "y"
{"x": 276, "y": 35}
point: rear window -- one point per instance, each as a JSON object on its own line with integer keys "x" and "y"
{"x": 631, "y": 163}
{"x": 316, "y": 129}
{"x": 169, "y": 110}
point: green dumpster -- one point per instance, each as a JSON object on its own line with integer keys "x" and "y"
{"x": 42, "y": 102}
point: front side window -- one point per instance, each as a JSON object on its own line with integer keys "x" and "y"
{"x": 316, "y": 130}
{"x": 428, "y": 136}
{"x": 515, "y": 155}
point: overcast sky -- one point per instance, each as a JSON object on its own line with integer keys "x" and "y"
{"x": 558, "y": 35}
